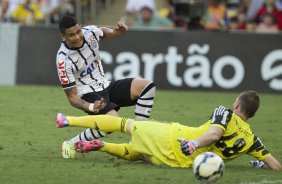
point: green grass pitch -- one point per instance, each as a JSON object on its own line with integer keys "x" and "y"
{"x": 30, "y": 142}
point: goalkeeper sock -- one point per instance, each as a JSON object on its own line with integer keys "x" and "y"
{"x": 105, "y": 123}
{"x": 145, "y": 102}
{"x": 87, "y": 135}
{"x": 120, "y": 150}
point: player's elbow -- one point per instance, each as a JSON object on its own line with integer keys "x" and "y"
{"x": 214, "y": 134}
{"x": 214, "y": 137}
{"x": 73, "y": 102}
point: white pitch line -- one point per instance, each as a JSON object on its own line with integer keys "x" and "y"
{"x": 265, "y": 182}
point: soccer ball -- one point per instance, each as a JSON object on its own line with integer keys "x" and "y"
{"x": 208, "y": 167}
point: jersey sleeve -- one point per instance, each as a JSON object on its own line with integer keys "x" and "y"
{"x": 65, "y": 72}
{"x": 97, "y": 32}
{"x": 221, "y": 117}
{"x": 258, "y": 150}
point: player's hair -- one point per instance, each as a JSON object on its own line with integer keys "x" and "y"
{"x": 66, "y": 22}
{"x": 249, "y": 101}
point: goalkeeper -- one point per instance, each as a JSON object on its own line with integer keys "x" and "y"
{"x": 226, "y": 133}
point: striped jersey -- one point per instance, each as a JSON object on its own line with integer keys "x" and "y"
{"x": 82, "y": 67}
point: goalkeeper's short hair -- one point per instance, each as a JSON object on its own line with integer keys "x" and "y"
{"x": 250, "y": 102}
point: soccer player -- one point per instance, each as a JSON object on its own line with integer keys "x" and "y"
{"x": 226, "y": 133}
{"x": 82, "y": 77}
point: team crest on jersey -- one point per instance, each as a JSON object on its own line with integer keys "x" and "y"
{"x": 93, "y": 43}
{"x": 62, "y": 73}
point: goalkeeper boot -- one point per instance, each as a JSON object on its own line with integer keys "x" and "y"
{"x": 68, "y": 150}
{"x": 86, "y": 146}
{"x": 61, "y": 120}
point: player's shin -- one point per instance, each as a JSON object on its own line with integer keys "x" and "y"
{"x": 120, "y": 150}
{"x": 105, "y": 123}
{"x": 145, "y": 102}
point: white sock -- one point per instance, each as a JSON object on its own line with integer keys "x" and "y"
{"x": 88, "y": 135}
{"x": 145, "y": 102}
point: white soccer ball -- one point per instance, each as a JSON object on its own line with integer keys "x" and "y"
{"x": 208, "y": 167}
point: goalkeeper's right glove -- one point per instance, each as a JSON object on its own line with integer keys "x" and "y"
{"x": 188, "y": 146}
{"x": 258, "y": 164}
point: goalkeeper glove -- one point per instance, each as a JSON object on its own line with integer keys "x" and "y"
{"x": 220, "y": 115}
{"x": 258, "y": 164}
{"x": 188, "y": 147}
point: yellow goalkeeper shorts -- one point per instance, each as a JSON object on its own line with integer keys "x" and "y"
{"x": 152, "y": 139}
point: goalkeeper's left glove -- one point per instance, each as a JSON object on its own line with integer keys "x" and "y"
{"x": 258, "y": 164}
{"x": 188, "y": 146}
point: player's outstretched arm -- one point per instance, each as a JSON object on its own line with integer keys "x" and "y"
{"x": 119, "y": 29}
{"x": 211, "y": 136}
{"x": 220, "y": 118}
{"x": 189, "y": 146}
{"x": 272, "y": 163}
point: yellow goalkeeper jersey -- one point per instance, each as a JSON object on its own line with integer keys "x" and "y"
{"x": 236, "y": 140}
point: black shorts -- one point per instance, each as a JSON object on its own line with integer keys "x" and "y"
{"x": 116, "y": 95}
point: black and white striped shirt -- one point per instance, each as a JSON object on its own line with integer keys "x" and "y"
{"x": 82, "y": 67}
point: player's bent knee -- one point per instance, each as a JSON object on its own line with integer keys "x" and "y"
{"x": 140, "y": 82}
{"x": 139, "y": 85}
{"x": 113, "y": 113}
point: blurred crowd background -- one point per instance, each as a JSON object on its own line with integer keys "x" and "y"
{"x": 263, "y": 16}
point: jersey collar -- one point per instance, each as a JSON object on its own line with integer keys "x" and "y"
{"x": 66, "y": 45}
